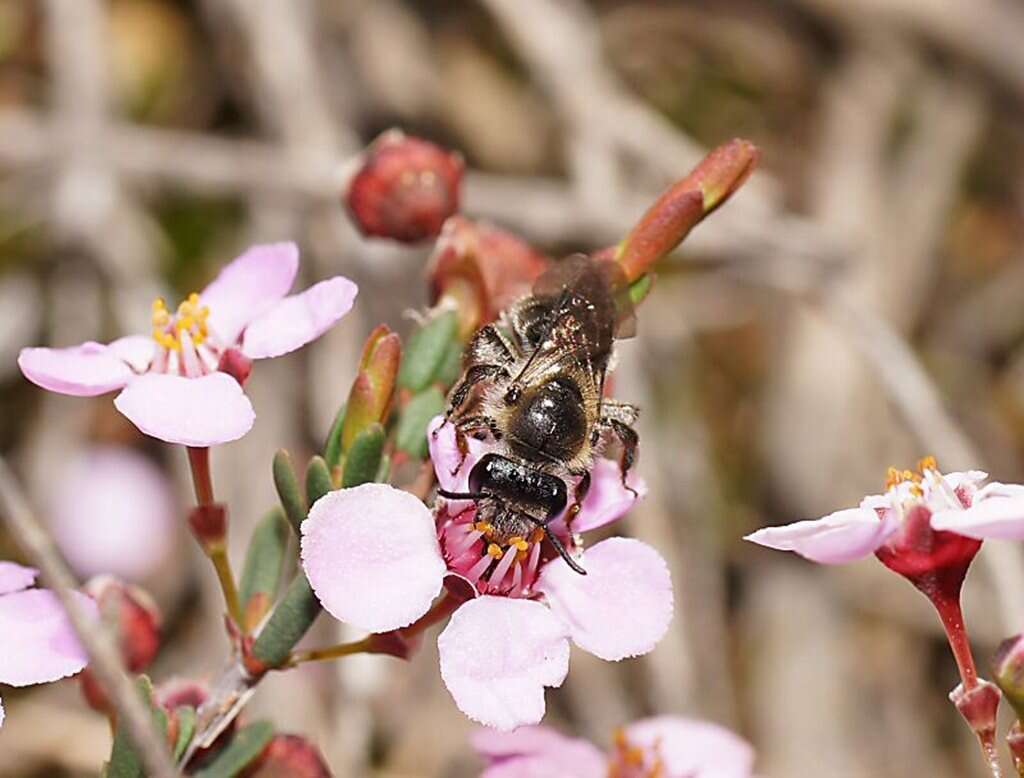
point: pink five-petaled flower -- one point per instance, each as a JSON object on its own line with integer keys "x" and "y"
{"x": 377, "y": 557}
{"x": 183, "y": 383}
{"x": 38, "y": 644}
{"x": 659, "y": 747}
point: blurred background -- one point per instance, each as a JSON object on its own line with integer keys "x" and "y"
{"x": 860, "y": 303}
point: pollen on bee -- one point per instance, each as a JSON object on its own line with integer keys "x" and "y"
{"x": 495, "y": 551}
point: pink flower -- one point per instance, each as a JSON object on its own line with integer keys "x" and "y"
{"x": 39, "y": 644}
{"x": 915, "y": 503}
{"x": 113, "y": 512}
{"x": 664, "y": 746}
{"x": 377, "y": 558}
{"x": 182, "y": 384}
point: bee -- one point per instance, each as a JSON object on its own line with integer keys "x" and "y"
{"x": 534, "y": 382}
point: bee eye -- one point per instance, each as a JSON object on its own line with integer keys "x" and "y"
{"x": 512, "y": 395}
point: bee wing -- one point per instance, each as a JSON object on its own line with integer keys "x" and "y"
{"x": 602, "y": 282}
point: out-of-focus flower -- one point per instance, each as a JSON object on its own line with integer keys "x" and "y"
{"x": 38, "y": 643}
{"x": 138, "y": 630}
{"x": 405, "y": 188}
{"x": 174, "y": 385}
{"x": 925, "y": 521}
{"x": 288, "y": 756}
{"x": 486, "y": 268}
{"x": 113, "y": 512}
{"x": 660, "y": 747}
{"x": 377, "y": 557}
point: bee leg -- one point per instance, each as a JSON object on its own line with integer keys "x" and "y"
{"x": 474, "y": 375}
{"x": 578, "y": 496}
{"x": 630, "y": 441}
{"x": 559, "y": 547}
{"x": 470, "y": 424}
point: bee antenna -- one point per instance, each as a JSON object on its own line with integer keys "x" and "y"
{"x": 461, "y": 495}
{"x": 559, "y": 547}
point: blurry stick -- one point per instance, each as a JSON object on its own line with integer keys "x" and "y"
{"x": 104, "y": 657}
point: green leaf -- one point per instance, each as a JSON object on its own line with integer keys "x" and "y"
{"x": 318, "y": 479}
{"x": 291, "y": 619}
{"x": 263, "y": 562}
{"x": 363, "y": 458}
{"x": 383, "y": 469}
{"x": 186, "y": 729}
{"x": 411, "y": 435}
{"x": 247, "y": 744}
{"x": 425, "y": 353}
{"x": 451, "y": 365}
{"x": 124, "y": 759}
{"x": 332, "y": 447}
{"x": 287, "y": 485}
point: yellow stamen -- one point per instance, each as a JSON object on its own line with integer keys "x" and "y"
{"x": 518, "y": 543}
{"x": 484, "y": 527}
{"x": 495, "y": 551}
{"x": 537, "y": 535}
{"x": 190, "y": 318}
{"x": 927, "y": 463}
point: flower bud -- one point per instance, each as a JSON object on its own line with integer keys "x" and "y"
{"x": 236, "y": 364}
{"x": 404, "y": 188}
{"x": 1008, "y": 669}
{"x": 288, "y": 755}
{"x": 138, "y": 622}
{"x": 482, "y": 269}
{"x": 374, "y": 385}
{"x": 685, "y": 204}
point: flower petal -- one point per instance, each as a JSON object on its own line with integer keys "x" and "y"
{"x": 997, "y": 512}
{"x": 696, "y": 749}
{"x": 608, "y": 499}
{"x": 538, "y": 752}
{"x": 201, "y": 411}
{"x": 14, "y": 577}
{"x": 299, "y": 319}
{"x": 451, "y": 468}
{"x": 622, "y": 606}
{"x": 248, "y": 287}
{"x": 372, "y": 557}
{"x": 39, "y": 643}
{"x": 497, "y": 655}
{"x": 112, "y": 511}
{"x": 842, "y": 536}
{"x": 83, "y": 371}
{"x": 136, "y": 350}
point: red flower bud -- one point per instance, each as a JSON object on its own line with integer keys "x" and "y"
{"x": 374, "y": 385}
{"x": 685, "y": 204}
{"x": 288, "y": 756}
{"x": 138, "y": 626}
{"x": 236, "y": 364}
{"x": 209, "y": 524}
{"x": 405, "y": 188}
{"x": 484, "y": 268}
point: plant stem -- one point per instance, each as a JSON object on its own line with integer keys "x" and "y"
{"x": 364, "y": 646}
{"x": 199, "y": 462}
{"x": 952, "y": 617}
{"x": 202, "y": 480}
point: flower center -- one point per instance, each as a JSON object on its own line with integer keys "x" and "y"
{"x": 894, "y": 477}
{"x": 190, "y": 318}
{"x": 632, "y": 761}
{"x": 494, "y": 564}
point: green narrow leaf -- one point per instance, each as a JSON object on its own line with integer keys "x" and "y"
{"x": 411, "y": 435}
{"x": 186, "y": 729}
{"x": 332, "y": 447}
{"x": 451, "y": 365}
{"x": 291, "y": 619}
{"x": 124, "y": 759}
{"x": 425, "y": 353}
{"x": 287, "y": 485}
{"x": 246, "y": 745}
{"x": 318, "y": 479}
{"x": 363, "y": 458}
{"x": 263, "y": 562}
{"x": 383, "y": 470}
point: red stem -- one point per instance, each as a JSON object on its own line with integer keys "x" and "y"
{"x": 199, "y": 462}
{"x": 953, "y": 621}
